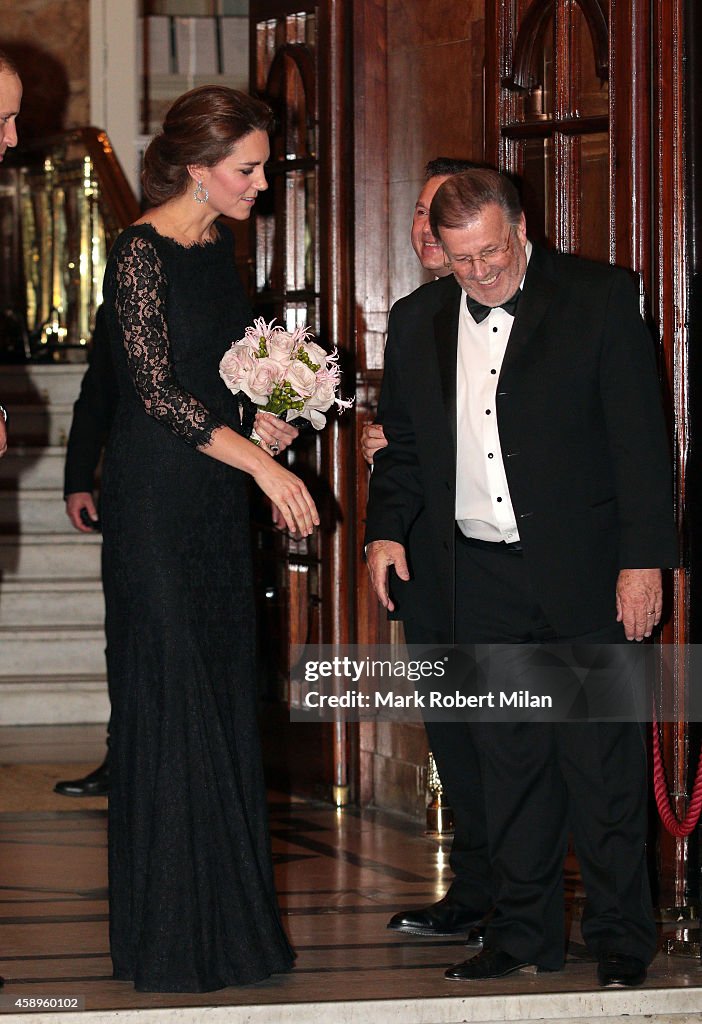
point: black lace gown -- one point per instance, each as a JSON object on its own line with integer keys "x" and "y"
{"x": 192, "y": 902}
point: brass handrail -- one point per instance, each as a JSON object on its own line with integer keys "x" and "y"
{"x": 69, "y": 200}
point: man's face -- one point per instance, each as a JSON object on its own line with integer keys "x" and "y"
{"x": 495, "y": 278}
{"x": 428, "y": 250}
{"x": 10, "y": 99}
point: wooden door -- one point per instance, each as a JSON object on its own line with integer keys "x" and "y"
{"x": 299, "y": 61}
{"x": 585, "y": 101}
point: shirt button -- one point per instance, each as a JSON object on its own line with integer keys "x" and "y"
{"x": 490, "y": 455}
{"x": 487, "y": 412}
{"x": 493, "y": 371}
{"x": 499, "y": 499}
{"x": 494, "y": 330}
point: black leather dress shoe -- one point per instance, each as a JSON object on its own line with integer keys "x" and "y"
{"x": 442, "y": 918}
{"x": 618, "y": 970}
{"x": 97, "y": 783}
{"x": 476, "y": 937}
{"x": 489, "y": 963}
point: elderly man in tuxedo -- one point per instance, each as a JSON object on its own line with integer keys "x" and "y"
{"x": 525, "y": 495}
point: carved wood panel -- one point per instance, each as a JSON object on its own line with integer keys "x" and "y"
{"x": 621, "y": 162}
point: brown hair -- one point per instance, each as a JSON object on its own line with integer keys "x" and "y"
{"x": 464, "y": 196}
{"x": 7, "y": 65}
{"x": 202, "y": 127}
{"x": 443, "y": 166}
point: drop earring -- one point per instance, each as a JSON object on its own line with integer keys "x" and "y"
{"x": 201, "y": 195}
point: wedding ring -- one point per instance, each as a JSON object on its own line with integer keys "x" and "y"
{"x": 651, "y": 613}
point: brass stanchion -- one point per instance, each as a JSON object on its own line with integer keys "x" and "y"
{"x": 439, "y": 814}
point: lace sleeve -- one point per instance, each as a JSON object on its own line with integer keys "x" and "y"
{"x": 141, "y": 300}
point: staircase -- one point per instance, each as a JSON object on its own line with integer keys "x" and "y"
{"x": 52, "y": 662}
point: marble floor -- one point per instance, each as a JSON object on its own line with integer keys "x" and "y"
{"x": 340, "y": 875}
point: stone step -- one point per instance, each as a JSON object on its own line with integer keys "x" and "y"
{"x": 40, "y": 383}
{"x": 52, "y": 602}
{"x": 26, "y": 467}
{"x": 40, "y": 556}
{"x": 37, "y": 424}
{"x": 53, "y": 700}
{"x": 47, "y": 651}
{"x": 33, "y": 511}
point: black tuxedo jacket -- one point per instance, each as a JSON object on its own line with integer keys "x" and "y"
{"x": 92, "y": 415}
{"x": 582, "y": 434}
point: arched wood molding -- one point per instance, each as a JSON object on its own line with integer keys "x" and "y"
{"x": 303, "y": 58}
{"x": 534, "y": 24}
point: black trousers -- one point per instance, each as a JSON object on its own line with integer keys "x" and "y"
{"x": 456, "y": 757}
{"x": 541, "y": 780}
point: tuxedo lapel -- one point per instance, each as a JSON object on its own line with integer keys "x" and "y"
{"x": 539, "y": 292}
{"x": 446, "y": 342}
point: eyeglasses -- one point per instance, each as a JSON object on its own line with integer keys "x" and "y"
{"x": 488, "y": 256}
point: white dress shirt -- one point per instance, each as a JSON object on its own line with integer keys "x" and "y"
{"x": 483, "y": 504}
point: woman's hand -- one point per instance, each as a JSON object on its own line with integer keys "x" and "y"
{"x": 289, "y": 495}
{"x": 274, "y": 432}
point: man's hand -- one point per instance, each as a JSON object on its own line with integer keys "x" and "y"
{"x": 75, "y": 503}
{"x": 3, "y": 436}
{"x": 372, "y": 440}
{"x": 639, "y": 601}
{"x": 380, "y": 555}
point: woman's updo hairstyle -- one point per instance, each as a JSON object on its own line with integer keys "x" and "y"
{"x": 202, "y": 127}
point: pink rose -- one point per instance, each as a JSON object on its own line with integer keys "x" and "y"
{"x": 235, "y": 365}
{"x": 301, "y": 378}
{"x": 315, "y": 352}
{"x": 261, "y": 380}
{"x": 323, "y": 396}
{"x": 280, "y": 345}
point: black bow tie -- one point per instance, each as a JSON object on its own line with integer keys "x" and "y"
{"x": 479, "y": 312}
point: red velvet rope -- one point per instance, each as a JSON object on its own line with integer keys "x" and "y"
{"x": 660, "y": 788}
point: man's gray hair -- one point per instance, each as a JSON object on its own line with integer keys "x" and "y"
{"x": 464, "y": 196}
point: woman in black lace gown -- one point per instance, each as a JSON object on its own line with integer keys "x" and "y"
{"x": 192, "y": 903}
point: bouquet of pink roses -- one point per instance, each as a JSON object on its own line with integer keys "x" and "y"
{"x": 284, "y": 373}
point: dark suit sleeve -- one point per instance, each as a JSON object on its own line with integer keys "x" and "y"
{"x": 638, "y": 438}
{"x": 395, "y": 493}
{"x": 92, "y": 415}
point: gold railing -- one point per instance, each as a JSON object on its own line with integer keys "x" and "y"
{"x": 61, "y": 207}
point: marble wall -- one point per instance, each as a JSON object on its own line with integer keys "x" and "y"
{"x": 49, "y": 39}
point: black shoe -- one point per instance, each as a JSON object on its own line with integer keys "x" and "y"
{"x": 476, "y": 937}
{"x": 489, "y": 963}
{"x": 443, "y": 918}
{"x": 618, "y": 970}
{"x": 97, "y": 783}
